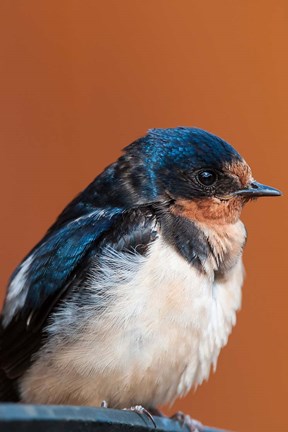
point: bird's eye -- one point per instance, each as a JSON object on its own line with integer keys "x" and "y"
{"x": 207, "y": 177}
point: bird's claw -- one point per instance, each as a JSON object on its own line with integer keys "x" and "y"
{"x": 137, "y": 408}
{"x": 186, "y": 420}
{"x": 141, "y": 410}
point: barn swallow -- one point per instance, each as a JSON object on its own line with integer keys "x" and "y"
{"x": 133, "y": 291}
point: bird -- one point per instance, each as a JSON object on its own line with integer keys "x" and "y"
{"x": 133, "y": 291}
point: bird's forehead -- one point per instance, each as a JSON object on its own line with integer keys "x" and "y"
{"x": 239, "y": 169}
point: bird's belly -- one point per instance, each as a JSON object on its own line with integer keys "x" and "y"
{"x": 158, "y": 337}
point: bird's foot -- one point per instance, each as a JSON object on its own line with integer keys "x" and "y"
{"x": 139, "y": 409}
{"x": 186, "y": 420}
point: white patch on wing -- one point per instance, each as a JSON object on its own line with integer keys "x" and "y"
{"x": 163, "y": 328}
{"x": 18, "y": 288}
{"x": 17, "y": 292}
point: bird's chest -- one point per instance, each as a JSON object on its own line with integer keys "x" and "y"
{"x": 162, "y": 329}
{"x": 167, "y": 325}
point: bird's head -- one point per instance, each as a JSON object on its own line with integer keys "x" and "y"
{"x": 203, "y": 175}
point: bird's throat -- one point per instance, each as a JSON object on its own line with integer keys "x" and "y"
{"x": 220, "y": 226}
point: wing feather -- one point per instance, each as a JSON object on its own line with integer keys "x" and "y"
{"x": 41, "y": 280}
{"x": 60, "y": 262}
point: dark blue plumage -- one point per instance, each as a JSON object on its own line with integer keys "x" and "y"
{"x": 58, "y": 255}
{"x": 150, "y": 167}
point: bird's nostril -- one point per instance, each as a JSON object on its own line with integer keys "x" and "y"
{"x": 254, "y": 185}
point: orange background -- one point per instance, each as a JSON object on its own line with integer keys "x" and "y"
{"x": 81, "y": 79}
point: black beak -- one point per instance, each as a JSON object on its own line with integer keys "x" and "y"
{"x": 256, "y": 189}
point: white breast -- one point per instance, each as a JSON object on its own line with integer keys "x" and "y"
{"x": 163, "y": 330}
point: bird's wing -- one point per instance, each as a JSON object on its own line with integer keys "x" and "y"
{"x": 42, "y": 279}
{"x": 59, "y": 262}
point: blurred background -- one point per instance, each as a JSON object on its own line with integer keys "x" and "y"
{"x": 81, "y": 80}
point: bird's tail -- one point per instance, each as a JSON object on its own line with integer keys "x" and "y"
{"x": 8, "y": 389}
